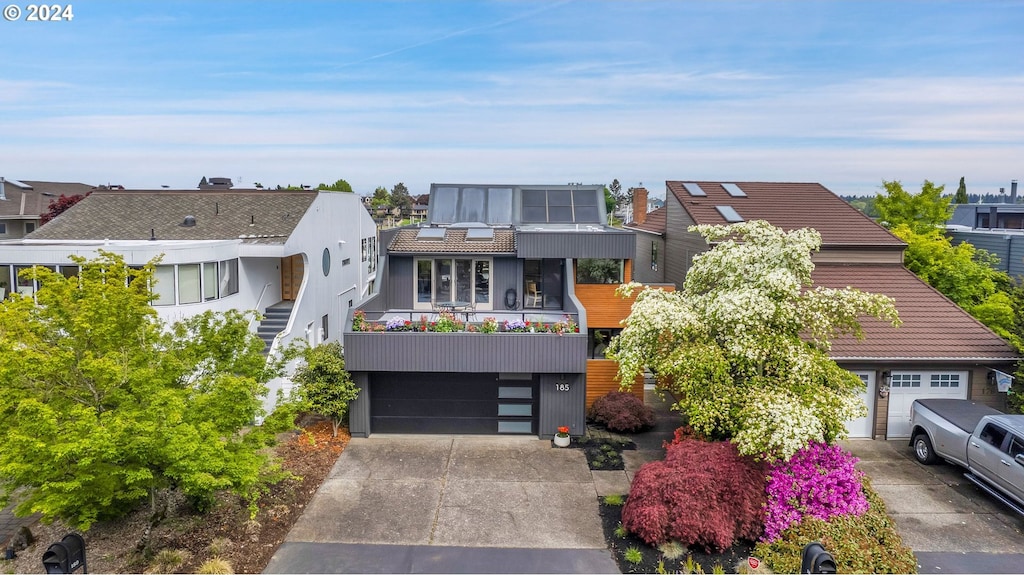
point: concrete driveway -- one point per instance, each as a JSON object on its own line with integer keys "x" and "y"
{"x": 951, "y": 525}
{"x": 407, "y": 504}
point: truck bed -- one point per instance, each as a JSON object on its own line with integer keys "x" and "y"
{"x": 962, "y": 413}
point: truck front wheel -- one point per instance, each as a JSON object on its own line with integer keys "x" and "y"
{"x": 923, "y": 451}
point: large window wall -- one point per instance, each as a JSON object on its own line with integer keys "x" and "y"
{"x": 453, "y": 279}
{"x": 194, "y": 283}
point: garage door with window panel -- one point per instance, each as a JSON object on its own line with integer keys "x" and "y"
{"x": 460, "y": 403}
{"x": 906, "y": 386}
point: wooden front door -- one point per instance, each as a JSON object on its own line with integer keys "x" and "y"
{"x": 291, "y": 276}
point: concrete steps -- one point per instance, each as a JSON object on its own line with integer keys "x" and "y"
{"x": 274, "y": 321}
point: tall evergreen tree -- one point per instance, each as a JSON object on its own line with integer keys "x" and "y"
{"x": 961, "y": 193}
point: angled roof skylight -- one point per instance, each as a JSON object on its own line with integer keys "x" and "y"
{"x": 480, "y": 234}
{"x": 734, "y": 190}
{"x": 431, "y": 235}
{"x": 694, "y": 189}
{"x": 729, "y": 214}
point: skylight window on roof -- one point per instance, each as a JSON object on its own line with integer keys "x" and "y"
{"x": 694, "y": 189}
{"x": 734, "y": 190}
{"x": 431, "y": 235}
{"x": 480, "y": 234}
{"x": 729, "y": 214}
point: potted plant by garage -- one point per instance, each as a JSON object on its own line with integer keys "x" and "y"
{"x": 562, "y": 438}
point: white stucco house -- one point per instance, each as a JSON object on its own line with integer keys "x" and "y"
{"x": 301, "y": 258}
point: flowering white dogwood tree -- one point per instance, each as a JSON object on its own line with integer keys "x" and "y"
{"x": 744, "y": 345}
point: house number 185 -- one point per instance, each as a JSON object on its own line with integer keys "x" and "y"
{"x": 561, "y": 387}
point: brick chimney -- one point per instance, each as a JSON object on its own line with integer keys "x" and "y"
{"x": 639, "y": 205}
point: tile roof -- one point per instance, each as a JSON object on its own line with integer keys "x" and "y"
{"x": 788, "y": 206}
{"x": 934, "y": 328}
{"x": 655, "y": 222}
{"x": 37, "y": 199}
{"x": 455, "y": 241}
{"x": 220, "y": 214}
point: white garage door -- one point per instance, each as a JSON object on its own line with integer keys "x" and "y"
{"x": 907, "y": 386}
{"x": 863, "y": 427}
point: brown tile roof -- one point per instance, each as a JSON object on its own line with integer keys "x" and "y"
{"x": 788, "y": 206}
{"x": 934, "y": 328}
{"x": 655, "y": 222}
{"x": 455, "y": 241}
{"x": 227, "y": 214}
{"x": 37, "y": 199}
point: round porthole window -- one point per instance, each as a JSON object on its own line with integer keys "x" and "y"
{"x": 327, "y": 261}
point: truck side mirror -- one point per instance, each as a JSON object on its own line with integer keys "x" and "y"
{"x": 66, "y": 555}
{"x": 814, "y": 559}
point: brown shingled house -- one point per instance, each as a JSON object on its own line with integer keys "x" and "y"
{"x": 22, "y": 202}
{"x": 939, "y": 351}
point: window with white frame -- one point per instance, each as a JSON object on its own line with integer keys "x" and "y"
{"x": 452, "y": 279}
{"x": 906, "y": 380}
{"x": 945, "y": 380}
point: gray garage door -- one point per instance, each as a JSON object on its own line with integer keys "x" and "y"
{"x": 464, "y": 403}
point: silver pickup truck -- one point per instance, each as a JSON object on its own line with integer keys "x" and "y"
{"x": 987, "y": 442}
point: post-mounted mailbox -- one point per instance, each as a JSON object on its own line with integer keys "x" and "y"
{"x": 66, "y": 556}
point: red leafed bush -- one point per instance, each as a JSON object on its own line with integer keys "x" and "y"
{"x": 702, "y": 493}
{"x": 623, "y": 412}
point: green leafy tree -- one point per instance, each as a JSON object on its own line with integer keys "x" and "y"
{"x": 338, "y": 186}
{"x": 324, "y": 385}
{"x": 616, "y": 189}
{"x": 965, "y": 274}
{"x": 381, "y": 197}
{"x": 961, "y": 193}
{"x": 924, "y": 211}
{"x": 400, "y": 198}
{"x": 609, "y": 201}
{"x": 744, "y": 345}
{"x": 102, "y": 406}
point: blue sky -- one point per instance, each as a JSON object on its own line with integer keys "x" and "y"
{"x": 848, "y": 94}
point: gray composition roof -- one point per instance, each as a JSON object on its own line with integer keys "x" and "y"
{"x": 258, "y": 216}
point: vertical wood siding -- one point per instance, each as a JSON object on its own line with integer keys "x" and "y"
{"x": 601, "y": 379}
{"x": 680, "y": 245}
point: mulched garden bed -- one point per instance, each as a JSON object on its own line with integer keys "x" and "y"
{"x": 673, "y": 560}
{"x": 603, "y": 454}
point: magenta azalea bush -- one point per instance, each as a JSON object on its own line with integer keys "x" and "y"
{"x": 819, "y": 481}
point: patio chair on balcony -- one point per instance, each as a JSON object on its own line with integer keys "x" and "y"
{"x": 533, "y": 297}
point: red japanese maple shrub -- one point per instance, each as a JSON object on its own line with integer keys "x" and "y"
{"x": 620, "y": 411}
{"x": 702, "y": 493}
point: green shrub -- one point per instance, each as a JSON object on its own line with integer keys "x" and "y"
{"x": 620, "y": 531}
{"x": 633, "y": 555}
{"x": 867, "y": 543}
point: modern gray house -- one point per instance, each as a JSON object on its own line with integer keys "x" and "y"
{"x": 488, "y": 314}
{"x": 995, "y": 228}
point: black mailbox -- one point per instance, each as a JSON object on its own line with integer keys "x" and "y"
{"x": 66, "y": 556}
{"x": 814, "y": 559}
